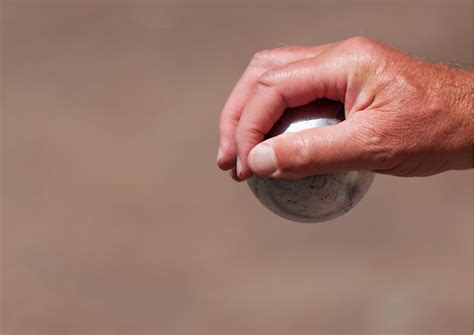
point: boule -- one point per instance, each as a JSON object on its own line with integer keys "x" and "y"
{"x": 314, "y": 198}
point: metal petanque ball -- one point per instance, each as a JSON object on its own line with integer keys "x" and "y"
{"x": 315, "y": 198}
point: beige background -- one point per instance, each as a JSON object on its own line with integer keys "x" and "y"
{"x": 116, "y": 221}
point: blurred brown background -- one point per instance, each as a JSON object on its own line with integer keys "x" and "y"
{"x": 117, "y": 221}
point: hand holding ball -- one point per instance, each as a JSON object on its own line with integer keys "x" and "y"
{"x": 315, "y": 198}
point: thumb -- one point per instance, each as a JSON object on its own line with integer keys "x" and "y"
{"x": 314, "y": 151}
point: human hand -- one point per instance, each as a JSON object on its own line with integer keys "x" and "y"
{"x": 404, "y": 117}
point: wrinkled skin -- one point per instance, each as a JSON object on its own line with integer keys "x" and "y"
{"x": 404, "y": 117}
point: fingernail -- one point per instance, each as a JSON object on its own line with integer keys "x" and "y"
{"x": 262, "y": 160}
{"x": 238, "y": 166}
{"x": 219, "y": 154}
{"x": 233, "y": 174}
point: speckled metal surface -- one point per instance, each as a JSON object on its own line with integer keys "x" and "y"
{"x": 315, "y": 198}
{"x": 312, "y": 199}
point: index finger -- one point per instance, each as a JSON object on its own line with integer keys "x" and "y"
{"x": 230, "y": 116}
{"x": 293, "y": 85}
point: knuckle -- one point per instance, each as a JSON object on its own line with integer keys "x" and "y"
{"x": 299, "y": 151}
{"x": 267, "y": 57}
{"x": 264, "y": 80}
{"x": 261, "y": 58}
{"x": 229, "y": 118}
{"x": 240, "y": 133}
{"x": 362, "y": 49}
{"x": 358, "y": 41}
{"x": 247, "y": 136}
{"x": 270, "y": 81}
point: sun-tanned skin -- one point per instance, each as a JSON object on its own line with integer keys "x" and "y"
{"x": 404, "y": 117}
